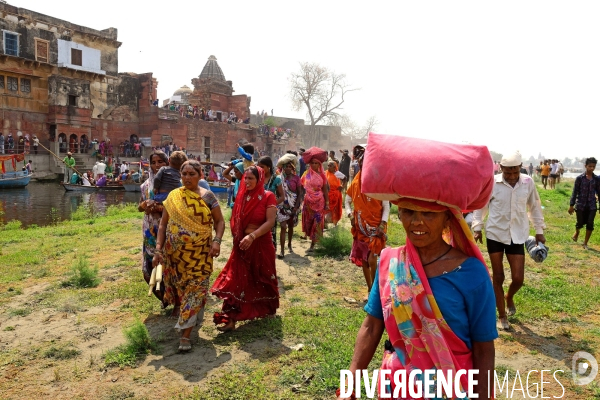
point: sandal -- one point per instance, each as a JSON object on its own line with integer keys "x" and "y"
{"x": 510, "y": 311}
{"x": 290, "y": 249}
{"x": 280, "y": 256}
{"x": 185, "y": 347}
{"x": 228, "y": 327}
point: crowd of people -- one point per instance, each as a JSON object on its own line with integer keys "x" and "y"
{"x": 195, "y": 112}
{"x": 22, "y": 144}
{"x": 406, "y": 287}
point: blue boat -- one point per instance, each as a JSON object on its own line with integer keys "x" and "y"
{"x": 16, "y": 179}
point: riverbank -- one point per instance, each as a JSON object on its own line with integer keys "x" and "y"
{"x": 53, "y": 338}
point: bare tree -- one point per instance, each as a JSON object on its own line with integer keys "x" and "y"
{"x": 321, "y": 92}
{"x": 357, "y": 133}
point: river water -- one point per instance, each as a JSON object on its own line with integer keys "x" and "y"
{"x": 45, "y": 203}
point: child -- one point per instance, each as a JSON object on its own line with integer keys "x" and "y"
{"x": 583, "y": 200}
{"x": 169, "y": 178}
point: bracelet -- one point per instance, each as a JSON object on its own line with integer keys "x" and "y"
{"x": 217, "y": 239}
{"x": 252, "y": 236}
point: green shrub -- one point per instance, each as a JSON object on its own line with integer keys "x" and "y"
{"x": 13, "y": 225}
{"x": 138, "y": 344}
{"x": 82, "y": 276}
{"x": 336, "y": 242}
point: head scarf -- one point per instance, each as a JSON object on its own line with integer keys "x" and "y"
{"x": 314, "y": 152}
{"x": 245, "y": 202}
{"x": 240, "y": 167}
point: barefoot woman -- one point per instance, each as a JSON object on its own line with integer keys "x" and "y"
{"x": 248, "y": 282}
{"x": 186, "y": 248}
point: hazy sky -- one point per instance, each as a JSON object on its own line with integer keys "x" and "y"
{"x": 511, "y": 75}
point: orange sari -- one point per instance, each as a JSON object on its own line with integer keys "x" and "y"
{"x": 335, "y": 197}
{"x": 367, "y": 217}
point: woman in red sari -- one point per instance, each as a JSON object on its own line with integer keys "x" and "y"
{"x": 316, "y": 197}
{"x": 248, "y": 282}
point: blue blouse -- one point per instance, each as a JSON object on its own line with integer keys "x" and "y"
{"x": 466, "y": 300}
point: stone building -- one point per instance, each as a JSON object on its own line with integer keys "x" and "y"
{"x": 61, "y": 82}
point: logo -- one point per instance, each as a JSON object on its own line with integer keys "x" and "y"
{"x": 584, "y": 367}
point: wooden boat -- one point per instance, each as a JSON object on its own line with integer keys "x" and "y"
{"x": 13, "y": 179}
{"x": 216, "y": 188}
{"x": 132, "y": 187}
{"x": 16, "y": 179}
{"x": 70, "y": 187}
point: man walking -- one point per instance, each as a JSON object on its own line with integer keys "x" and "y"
{"x": 69, "y": 165}
{"x": 345, "y": 166}
{"x": 507, "y": 229}
{"x": 583, "y": 200}
{"x": 36, "y": 143}
{"x": 553, "y": 174}
{"x": 545, "y": 173}
{"x": 1, "y": 143}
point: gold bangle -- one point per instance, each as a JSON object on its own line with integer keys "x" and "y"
{"x": 252, "y": 236}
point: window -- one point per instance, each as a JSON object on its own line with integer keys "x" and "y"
{"x": 13, "y": 84}
{"x": 11, "y": 43}
{"x": 1, "y": 81}
{"x": 76, "y": 57}
{"x": 72, "y": 100}
{"x": 41, "y": 50}
{"x": 25, "y": 85}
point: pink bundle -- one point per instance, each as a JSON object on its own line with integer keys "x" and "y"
{"x": 454, "y": 175}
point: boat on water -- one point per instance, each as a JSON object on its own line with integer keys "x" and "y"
{"x": 132, "y": 187}
{"x": 16, "y": 179}
{"x": 217, "y": 188}
{"x": 70, "y": 187}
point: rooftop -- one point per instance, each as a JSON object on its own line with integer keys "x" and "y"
{"x": 212, "y": 70}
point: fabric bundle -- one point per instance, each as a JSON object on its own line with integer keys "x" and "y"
{"x": 316, "y": 153}
{"x": 453, "y": 175}
{"x": 286, "y": 159}
{"x": 537, "y": 251}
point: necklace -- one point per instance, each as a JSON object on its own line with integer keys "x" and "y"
{"x": 446, "y": 252}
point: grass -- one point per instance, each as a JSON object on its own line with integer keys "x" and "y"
{"x": 336, "y": 242}
{"x": 138, "y": 344}
{"x": 82, "y": 276}
{"x": 61, "y": 353}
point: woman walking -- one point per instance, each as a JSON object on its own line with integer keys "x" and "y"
{"x": 248, "y": 282}
{"x": 433, "y": 296}
{"x": 335, "y": 191}
{"x": 186, "y": 247}
{"x": 150, "y": 224}
{"x": 316, "y": 197}
{"x": 287, "y": 211}
{"x": 273, "y": 185}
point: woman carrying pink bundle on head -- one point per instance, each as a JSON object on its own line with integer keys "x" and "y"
{"x": 434, "y": 295}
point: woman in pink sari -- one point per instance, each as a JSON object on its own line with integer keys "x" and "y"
{"x": 433, "y": 296}
{"x": 316, "y": 197}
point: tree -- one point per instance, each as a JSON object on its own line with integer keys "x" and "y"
{"x": 321, "y": 92}
{"x": 357, "y": 133}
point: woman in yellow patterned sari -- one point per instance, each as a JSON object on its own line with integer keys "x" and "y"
{"x": 186, "y": 248}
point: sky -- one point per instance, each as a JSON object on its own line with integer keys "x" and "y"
{"x": 511, "y": 75}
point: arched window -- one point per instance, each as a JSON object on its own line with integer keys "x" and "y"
{"x": 62, "y": 143}
{"x": 73, "y": 143}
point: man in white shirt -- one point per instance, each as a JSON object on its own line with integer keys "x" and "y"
{"x": 95, "y": 171}
{"x": 101, "y": 169}
{"x": 553, "y": 173}
{"x": 507, "y": 229}
{"x": 123, "y": 167}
